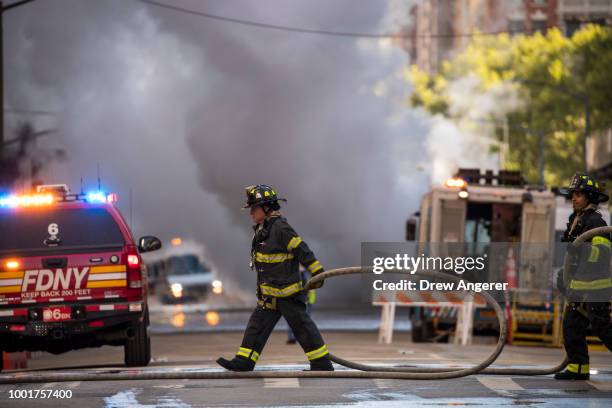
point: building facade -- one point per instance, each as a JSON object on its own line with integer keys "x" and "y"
{"x": 441, "y": 28}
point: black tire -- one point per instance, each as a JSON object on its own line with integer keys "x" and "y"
{"x": 1, "y": 360}
{"x": 416, "y": 334}
{"x": 422, "y": 330}
{"x": 137, "y": 350}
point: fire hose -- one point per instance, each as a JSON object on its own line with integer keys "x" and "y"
{"x": 358, "y": 370}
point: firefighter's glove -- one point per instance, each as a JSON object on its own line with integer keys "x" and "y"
{"x": 319, "y": 284}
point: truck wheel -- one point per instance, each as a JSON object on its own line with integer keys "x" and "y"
{"x": 422, "y": 329}
{"x": 1, "y": 360}
{"x": 417, "y": 332}
{"x": 137, "y": 350}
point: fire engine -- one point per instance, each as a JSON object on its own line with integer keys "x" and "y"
{"x": 71, "y": 275}
{"x": 479, "y": 209}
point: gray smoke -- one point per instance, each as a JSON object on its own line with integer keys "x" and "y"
{"x": 184, "y": 112}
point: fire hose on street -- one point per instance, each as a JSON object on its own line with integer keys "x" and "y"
{"x": 358, "y": 370}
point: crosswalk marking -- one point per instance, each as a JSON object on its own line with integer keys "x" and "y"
{"x": 383, "y": 383}
{"x": 500, "y": 385}
{"x": 69, "y": 385}
{"x": 601, "y": 385}
{"x": 281, "y": 383}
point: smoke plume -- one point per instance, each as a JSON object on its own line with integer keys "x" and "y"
{"x": 181, "y": 113}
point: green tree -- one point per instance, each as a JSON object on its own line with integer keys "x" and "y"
{"x": 554, "y": 76}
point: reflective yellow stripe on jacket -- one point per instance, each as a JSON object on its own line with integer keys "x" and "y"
{"x": 591, "y": 285}
{"x": 596, "y": 241}
{"x": 601, "y": 241}
{"x": 295, "y": 241}
{"x": 314, "y": 267}
{"x": 280, "y": 292}
{"x": 594, "y": 255}
{"x": 272, "y": 258}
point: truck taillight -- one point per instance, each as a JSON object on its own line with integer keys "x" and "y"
{"x": 134, "y": 274}
{"x": 133, "y": 261}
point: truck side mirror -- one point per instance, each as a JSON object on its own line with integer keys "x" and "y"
{"x": 149, "y": 243}
{"x": 411, "y": 227}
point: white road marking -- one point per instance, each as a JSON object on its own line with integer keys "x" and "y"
{"x": 170, "y": 386}
{"x": 70, "y": 385}
{"x": 128, "y": 399}
{"x": 383, "y": 383}
{"x": 500, "y": 385}
{"x": 49, "y": 385}
{"x": 281, "y": 383}
{"x": 601, "y": 385}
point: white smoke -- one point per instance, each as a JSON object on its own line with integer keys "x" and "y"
{"x": 181, "y": 113}
{"x": 467, "y": 139}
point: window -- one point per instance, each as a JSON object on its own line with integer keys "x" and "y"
{"x": 539, "y": 26}
{"x": 33, "y": 230}
{"x": 516, "y": 26}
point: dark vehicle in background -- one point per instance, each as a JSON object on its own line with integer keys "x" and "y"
{"x": 181, "y": 278}
{"x": 71, "y": 275}
{"x": 180, "y": 273}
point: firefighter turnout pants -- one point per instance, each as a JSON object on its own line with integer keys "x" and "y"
{"x": 575, "y": 324}
{"x": 266, "y": 315}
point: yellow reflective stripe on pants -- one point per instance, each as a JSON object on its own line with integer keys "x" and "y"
{"x": 295, "y": 241}
{"x": 315, "y": 266}
{"x": 601, "y": 241}
{"x": 280, "y": 292}
{"x": 594, "y": 255}
{"x": 578, "y": 368}
{"x": 318, "y": 353}
{"x": 272, "y": 258}
{"x": 248, "y": 353}
{"x": 268, "y": 305}
{"x": 591, "y": 285}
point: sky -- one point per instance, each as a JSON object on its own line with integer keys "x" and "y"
{"x": 180, "y": 113}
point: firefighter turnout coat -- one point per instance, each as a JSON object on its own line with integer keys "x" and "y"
{"x": 276, "y": 252}
{"x": 589, "y": 275}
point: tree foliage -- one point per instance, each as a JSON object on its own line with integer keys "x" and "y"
{"x": 555, "y": 77}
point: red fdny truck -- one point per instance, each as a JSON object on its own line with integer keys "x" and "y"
{"x": 71, "y": 275}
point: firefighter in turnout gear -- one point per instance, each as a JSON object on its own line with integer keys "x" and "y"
{"x": 587, "y": 284}
{"x": 276, "y": 253}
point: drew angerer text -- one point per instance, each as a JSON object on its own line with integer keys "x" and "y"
{"x": 424, "y": 284}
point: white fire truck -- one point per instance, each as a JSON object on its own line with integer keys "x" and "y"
{"x": 478, "y": 210}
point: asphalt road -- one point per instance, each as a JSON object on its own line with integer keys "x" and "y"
{"x": 197, "y": 351}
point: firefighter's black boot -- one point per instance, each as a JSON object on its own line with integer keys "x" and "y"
{"x": 238, "y": 363}
{"x": 321, "y": 364}
{"x": 574, "y": 372}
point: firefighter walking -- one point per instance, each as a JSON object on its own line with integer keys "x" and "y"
{"x": 587, "y": 283}
{"x": 276, "y": 253}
